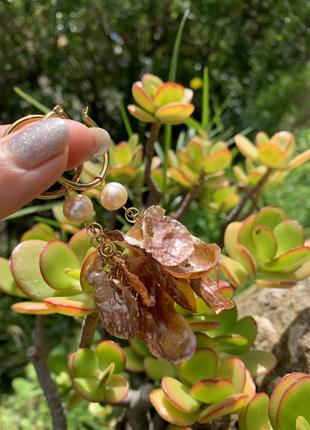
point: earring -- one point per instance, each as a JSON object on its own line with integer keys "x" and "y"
{"x": 78, "y": 207}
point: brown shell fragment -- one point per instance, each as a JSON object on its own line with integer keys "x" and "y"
{"x": 165, "y": 332}
{"x": 203, "y": 259}
{"x": 118, "y": 309}
{"x": 165, "y": 238}
{"x": 180, "y": 291}
{"x": 209, "y": 291}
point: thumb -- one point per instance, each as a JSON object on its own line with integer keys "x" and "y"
{"x": 32, "y": 159}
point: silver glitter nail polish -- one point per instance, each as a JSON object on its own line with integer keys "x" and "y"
{"x": 39, "y": 143}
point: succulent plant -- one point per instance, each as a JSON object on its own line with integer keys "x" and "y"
{"x": 97, "y": 374}
{"x": 275, "y": 152}
{"x": 197, "y": 157}
{"x": 49, "y": 273}
{"x": 266, "y": 246}
{"x": 168, "y": 103}
{"x": 287, "y": 408}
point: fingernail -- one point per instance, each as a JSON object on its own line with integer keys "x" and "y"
{"x": 102, "y": 140}
{"x": 39, "y": 143}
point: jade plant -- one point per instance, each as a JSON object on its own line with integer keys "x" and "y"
{"x": 161, "y": 339}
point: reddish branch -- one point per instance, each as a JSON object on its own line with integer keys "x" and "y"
{"x": 88, "y": 330}
{"x": 234, "y": 214}
{"x": 36, "y": 355}
{"x": 189, "y": 198}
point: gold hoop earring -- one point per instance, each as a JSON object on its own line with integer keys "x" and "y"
{"x": 66, "y": 185}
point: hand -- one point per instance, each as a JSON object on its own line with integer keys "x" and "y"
{"x": 33, "y": 158}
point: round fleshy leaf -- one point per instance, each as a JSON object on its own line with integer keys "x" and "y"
{"x": 121, "y": 154}
{"x": 233, "y": 271}
{"x": 288, "y": 234}
{"x": 245, "y": 237}
{"x": 278, "y": 392}
{"x": 265, "y": 243}
{"x": 55, "y": 258}
{"x": 302, "y": 423}
{"x": 231, "y": 237}
{"x": 232, "y": 343}
{"x": 255, "y": 414}
{"x": 26, "y": 270}
{"x": 73, "y": 306}
{"x": 290, "y": 260}
{"x": 116, "y": 389}
{"x": 212, "y": 390}
{"x": 39, "y": 231}
{"x": 249, "y": 387}
{"x": 226, "y": 319}
{"x": 89, "y": 389}
{"x": 179, "y": 395}
{"x": 174, "y": 113}
{"x": 32, "y": 308}
{"x": 109, "y": 352}
{"x": 157, "y": 368}
{"x": 7, "y": 282}
{"x": 84, "y": 273}
{"x": 299, "y": 160}
{"x": 80, "y": 243}
{"x": 218, "y": 161}
{"x": 169, "y": 92}
{"x": 234, "y": 370}
{"x": 244, "y": 257}
{"x": 141, "y": 97}
{"x": 140, "y": 348}
{"x": 140, "y": 114}
{"x": 246, "y": 327}
{"x": 268, "y": 217}
{"x": 294, "y": 402}
{"x": 204, "y": 341}
{"x": 169, "y": 412}
{"x": 246, "y": 147}
{"x": 259, "y": 362}
{"x": 202, "y": 365}
{"x": 261, "y": 138}
{"x": 134, "y": 361}
{"x": 151, "y": 83}
{"x": 84, "y": 363}
{"x": 231, "y": 404}
{"x": 272, "y": 156}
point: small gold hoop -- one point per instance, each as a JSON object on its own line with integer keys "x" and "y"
{"x": 66, "y": 185}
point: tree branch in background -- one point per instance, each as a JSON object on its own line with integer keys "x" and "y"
{"x": 154, "y": 194}
{"x": 36, "y": 355}
{"x": 88, "y": 330}
{"x": 190, "y": 197}
{"x": 236, "y": 211}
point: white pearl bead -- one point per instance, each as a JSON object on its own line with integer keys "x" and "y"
{"x": 78, "y": 208}
{"x": 113, "y": 196}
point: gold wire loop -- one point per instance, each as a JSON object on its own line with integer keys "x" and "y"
{"x": 132, "y": 214}
{"x": 65, "y": 185}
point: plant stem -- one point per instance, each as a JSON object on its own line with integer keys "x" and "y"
{"x": 234, "y": 214}
{"x": 88, "y": 330}
{"x": 189, "y": 198}
{"x": 36, "y": 355}
{"x": 154, "y": 194}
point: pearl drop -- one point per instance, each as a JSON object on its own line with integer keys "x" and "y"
{"x": 78, "y": 208}
{"x": 113, "y": 196}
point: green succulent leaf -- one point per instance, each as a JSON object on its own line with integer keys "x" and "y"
{"x": 55, "y": 258}
{"x": 179, "y": 395}
{"x": 168, "y": 411}
{"x": 288, "y": 234}
{"x": 259, "y": 362}
{"x": 302, "y": 423}
{"x": 116, "y": 389}
{"x": 88, "y": 389}
{"x": 212, "y": 390}
{"x": 157, "y": 368}
{"x": 234, "y": 370}
{"x": 109, "y": 352}
{"x": 255, "y": 414}
{"x": 80, "y": 243}
{"x": 26, "y": 269}
{"x": 202, "y": 365}
{"x": 84, "y": 363}
{"x": 7, "y": 282}
{"x": 134, "y": 362}
{"x": 231, "y": 404}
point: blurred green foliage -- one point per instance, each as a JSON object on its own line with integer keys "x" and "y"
{"x": 87, "y": 52}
